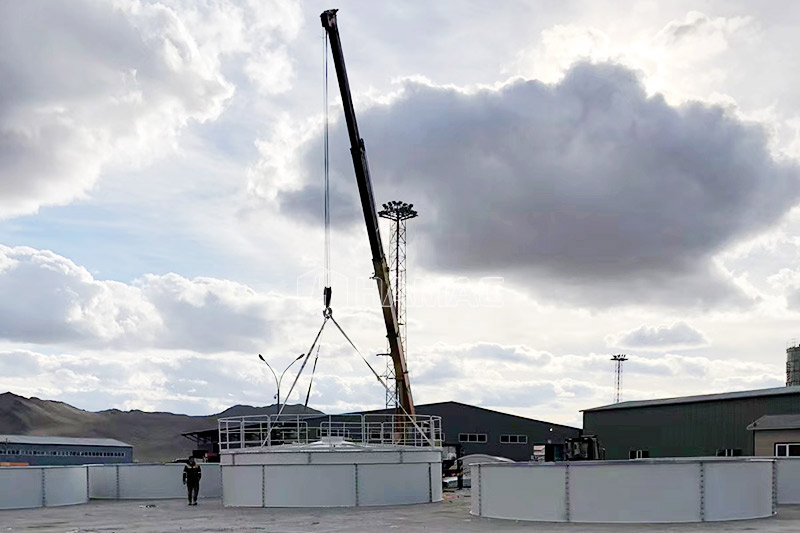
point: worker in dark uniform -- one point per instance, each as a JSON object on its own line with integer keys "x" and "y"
{"x": 191, "y": 478}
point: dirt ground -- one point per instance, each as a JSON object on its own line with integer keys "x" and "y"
{"x": 165, "y": 516}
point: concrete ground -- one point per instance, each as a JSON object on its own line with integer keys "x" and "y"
{"x": 209, "y": 515}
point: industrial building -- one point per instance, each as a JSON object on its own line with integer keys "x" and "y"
{"x": 777, "y": 435}
{"x": 480, "y": 430}
{"x": 691, "y": 426}
{"x": 38, "y": 451}
{"x": 475, "y": 429}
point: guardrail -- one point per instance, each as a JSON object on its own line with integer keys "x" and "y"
{"x": 272, "y": 430}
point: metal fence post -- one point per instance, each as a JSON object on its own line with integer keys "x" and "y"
{"x": 364, "y": 439}
{"x": 480, "y": 483}
{"x": 263, "y": 485}
{"x": 567, "y": 510}
{"x": 702, "y": 491}
{"x": 355, "y": 472}
{"x": 774, "y": 486}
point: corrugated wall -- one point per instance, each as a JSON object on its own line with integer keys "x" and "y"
{"x": 684, "y": 430}
{"x": 460, "y": 418}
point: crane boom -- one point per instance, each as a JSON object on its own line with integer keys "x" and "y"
{"x": 359, "y": 154}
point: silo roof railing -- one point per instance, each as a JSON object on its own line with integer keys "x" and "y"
{"x": 258, "y": 431}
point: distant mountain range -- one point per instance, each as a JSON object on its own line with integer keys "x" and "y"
{"x": 155, "y": 437}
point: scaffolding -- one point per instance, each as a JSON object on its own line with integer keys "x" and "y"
{"x": 398, "y": 213}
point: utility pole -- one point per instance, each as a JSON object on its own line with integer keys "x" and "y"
{"x": 618, "y": 360}
{"x": 398, "y": 213}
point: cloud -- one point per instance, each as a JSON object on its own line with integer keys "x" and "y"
{"x": 587, "y": 190}
{"x": 48, "y": 299}
{"x": 711, "y": 33}
{"x": 19, "y": 363}
{"x": 92, "y": 84}
{"x": 678, "y": 335}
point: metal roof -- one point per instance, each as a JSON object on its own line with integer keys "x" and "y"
{"x": 758, "y": 393}
{"x": 776, "y": 422}
{"x": 64, "y": 441}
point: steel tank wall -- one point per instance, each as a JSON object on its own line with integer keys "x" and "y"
{"x": 788, "y": 478}
{"x": 149, "y": 481}
{"x": 31, "y": 486}
{"x": 654, "y": 491}
{"x": 331, "y": 479}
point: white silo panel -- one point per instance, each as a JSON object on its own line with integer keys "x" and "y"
{"x": 310, "y": 485}
{"x": 103, "y": 482}
{"x": 738, "y": 489}
{"x": 634, "y": 492}
{"x": 393, "y": 484}
{"x": 241, "y": 486}
{"x": 20, "y": 487}
{"x": 65, "y": 485}
{"x": 522, "y": 493}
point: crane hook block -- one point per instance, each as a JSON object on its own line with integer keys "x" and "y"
{"x": 328, "y": 293}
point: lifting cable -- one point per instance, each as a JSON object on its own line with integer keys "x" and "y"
{"x": 327, "y": 293}
{"x": 380, "y": 380}
{"x": 313, "y": 371}
{"x": 308, "y": 355}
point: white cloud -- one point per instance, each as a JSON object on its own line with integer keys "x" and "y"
{"x": 675, "y": 336}
{"x": 93, "y": 84}
{"x": 48, "y": 300}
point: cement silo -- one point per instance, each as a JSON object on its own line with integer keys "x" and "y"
{"x": 793, "y": 363}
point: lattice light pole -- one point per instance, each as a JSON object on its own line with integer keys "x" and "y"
{"x": 398, "y": 212}
{"x": 618, "y": 359}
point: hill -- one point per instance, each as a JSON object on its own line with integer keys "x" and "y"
{"x": 155, "y": 437}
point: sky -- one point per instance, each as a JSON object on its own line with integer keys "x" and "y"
{"x": 592, "y": 178}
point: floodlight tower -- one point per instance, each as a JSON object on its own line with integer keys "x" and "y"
{"x": 398, "y": 212}
{"x": 618, "y": 359}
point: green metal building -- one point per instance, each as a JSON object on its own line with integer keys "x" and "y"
{"x": 692, "y": 426}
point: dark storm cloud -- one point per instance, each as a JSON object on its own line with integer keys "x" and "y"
{"x": 587, "y": 190}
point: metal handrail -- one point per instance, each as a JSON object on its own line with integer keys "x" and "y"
{"x": 254, "y": 431}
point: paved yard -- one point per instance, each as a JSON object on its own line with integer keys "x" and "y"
{"x": 450, "y": 515}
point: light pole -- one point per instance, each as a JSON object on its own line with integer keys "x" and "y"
{"x": 278, "y": 381}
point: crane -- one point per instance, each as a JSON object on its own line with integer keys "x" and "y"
{"x": 381, "y": 268}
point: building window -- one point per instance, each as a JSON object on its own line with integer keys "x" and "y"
{"x": 787, "y": 449}
{"x": 638, "y": 454}
{"x": 472, "y": 437}
{"x": 513, "y": 439}
{"x": 729, "y": 452}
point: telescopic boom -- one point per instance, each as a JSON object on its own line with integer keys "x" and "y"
{"x": 359, "y": 154}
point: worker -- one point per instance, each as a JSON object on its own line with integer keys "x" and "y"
{"x": 191, "y": 478}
